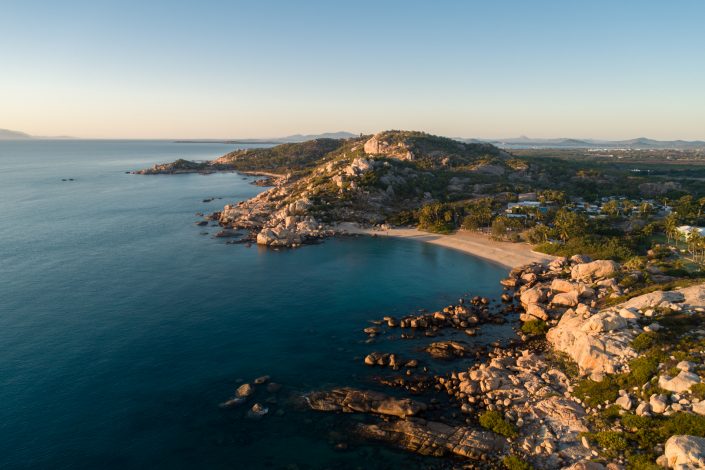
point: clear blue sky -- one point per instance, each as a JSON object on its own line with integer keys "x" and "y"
{"x": 608, "y": 69}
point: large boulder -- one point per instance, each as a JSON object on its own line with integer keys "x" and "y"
{"x": 599, "y": 344}
{"x": 694, "y": 296}
{"x": 680, "y": 383}
{"x": 534, "y": 295}
{"x": 654, "y": 299}
{"x": 565, "y": 299}
{"x": 684, "y": 452}
{"x": 562, "y": 285}
{"x": 534, "y": 312}
{"x": 594, "y": 270}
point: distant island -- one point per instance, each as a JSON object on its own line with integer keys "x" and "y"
{"x": 6, "y": 134}
{"x": 638, "y": 143}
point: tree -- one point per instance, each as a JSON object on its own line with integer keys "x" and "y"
{"x": 685, "y": 208}
{"x": 569, "y": 224}
{"x": 670, "y": 227}
{"x": 437, "y": 217}
{"x": 701, "y": 204}
{"x": 645, "y": 209}
{"x": 611, "y": 208}
{"x": 552, "y": 195}
{"x": 479, "y": 214}
{"x": 538, "y": 234}
{"x": 627, "y": 206}
{"x": 503, "y": 226}
{"x": 500, "y": 227}
{"x": 696, "y": 243}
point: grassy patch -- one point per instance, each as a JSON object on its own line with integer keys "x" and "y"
{"x": 641, "y": 370}
{"x": 612, "y": 441}
{"x": 645, "y": 341}
{"x": 494, "y": 421}
{"x": 512, "y": 462}
{"x": 534, "y": 327}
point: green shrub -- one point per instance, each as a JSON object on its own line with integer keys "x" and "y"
{"x": 642, "y": 462}
{"x": 683, "y": 423}
{"x": 597, "y": 247}
{"x": 642, "y": 369}
{"x": 512, "y": 462}
{"x": 494, "y": 421}
{"x": 596, "y": 393}
{"x": 698, "y": 391}
{"x": 645, "y": 341}
{"x": 534, "y": 327}
{"x": 611, "y": 440}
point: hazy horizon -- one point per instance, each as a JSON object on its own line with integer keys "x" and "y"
{"x": 236, "y": 70}
{"x": 280, "y": 137}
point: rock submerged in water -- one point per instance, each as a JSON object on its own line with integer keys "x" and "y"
{"x": 447, "y": 349}
{"x": 244, "y": 391}
{"x": 257, "y": 411}
{"x": 350, "y": 400}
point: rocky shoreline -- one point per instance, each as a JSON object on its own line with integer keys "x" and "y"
{"x": 571, "y": 398}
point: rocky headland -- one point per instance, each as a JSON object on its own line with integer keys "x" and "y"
{"x": 370, "y": 181}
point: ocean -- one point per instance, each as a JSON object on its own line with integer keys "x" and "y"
{"x": 123, "y": 325}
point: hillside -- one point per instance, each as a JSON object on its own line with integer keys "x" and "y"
{"x": 368, "y": 180}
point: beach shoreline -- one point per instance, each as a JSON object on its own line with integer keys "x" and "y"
{"x": 506, "y": 254}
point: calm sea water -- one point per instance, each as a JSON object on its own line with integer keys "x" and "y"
{"x": 122, "y": 326}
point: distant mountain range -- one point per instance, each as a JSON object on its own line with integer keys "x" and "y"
{"x": 516, "y": 142}
{"x": 638, "y": 143}
{"x": 296, "y": 138}
{"x": 7, "y": 134}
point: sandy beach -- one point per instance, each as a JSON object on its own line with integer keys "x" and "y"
{"x": 505, "y": 253}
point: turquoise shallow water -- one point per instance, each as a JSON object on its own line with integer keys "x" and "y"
{"x": 122, "y": 327}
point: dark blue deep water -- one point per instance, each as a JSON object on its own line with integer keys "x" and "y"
{"x": 122, "y": 326}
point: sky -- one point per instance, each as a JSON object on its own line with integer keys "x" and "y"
{"x": 266, "y": 68}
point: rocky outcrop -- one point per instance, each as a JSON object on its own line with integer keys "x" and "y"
{"x": 350, "y": 400}
{"x": 531, "y": 394}
{"x": 594, "y": 270}
{"x": 600, "y": 343}
{"x": 435, "y": 439}
{"x": 376, "y": 145}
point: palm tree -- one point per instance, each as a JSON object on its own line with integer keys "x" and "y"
{"x": 701, "y": 204}
{"x": 670, "y": 226}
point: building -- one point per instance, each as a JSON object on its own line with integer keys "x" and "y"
{"x": 687, "y": 230}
